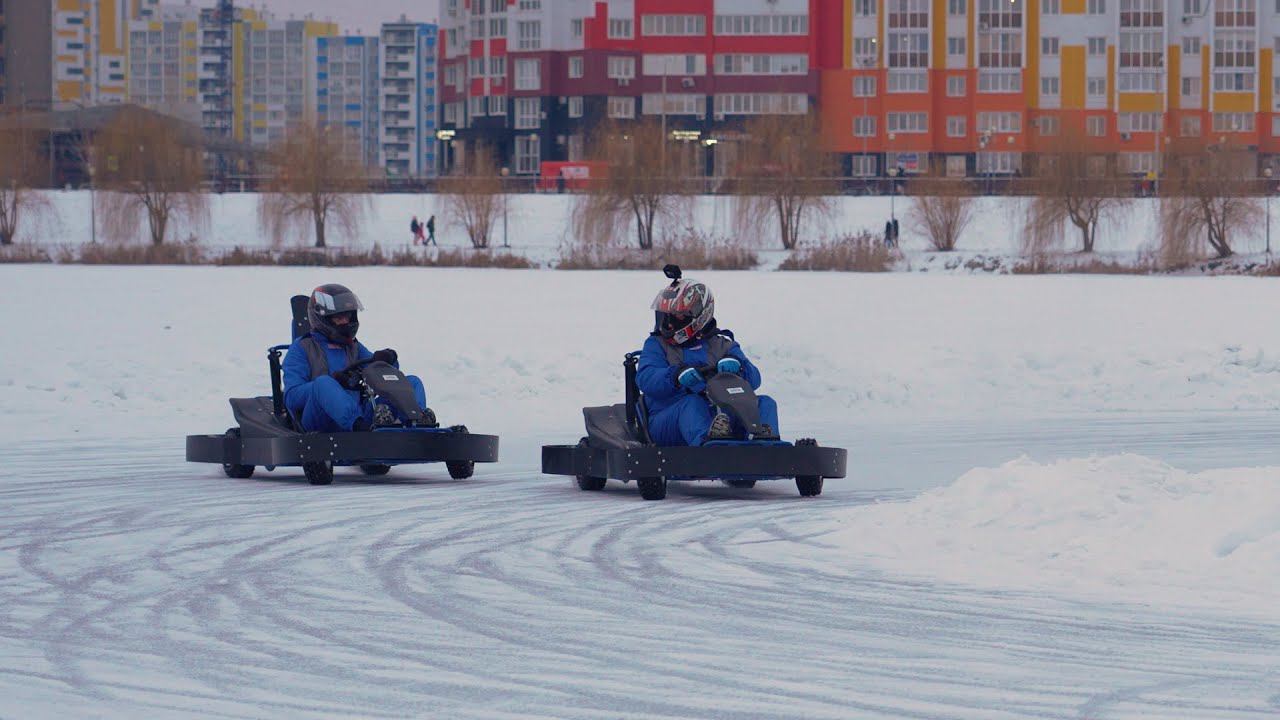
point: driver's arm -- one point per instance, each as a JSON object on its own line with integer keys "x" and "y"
{"x": 750, "y": 372}
{"x": 297, "y": 378}
{"x": 656, "y": 378}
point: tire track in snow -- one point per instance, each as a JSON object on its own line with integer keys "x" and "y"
{"x": 135, "y": 583}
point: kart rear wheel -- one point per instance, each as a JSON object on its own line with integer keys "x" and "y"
{"x": 652, "y": 488}
{"x": 808, "y": 485}
{"x": 318, "y": 473}
{"x": 375, "y": 470}
{"x": 461, "y": 469}
{"x": 741, "y": 484}
{"x": 239, "y": 472}
{"x": 588, "y": 483}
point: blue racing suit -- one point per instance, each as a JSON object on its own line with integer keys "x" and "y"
{"x": 322, "y": 404}
{"x": 677, "y": 416}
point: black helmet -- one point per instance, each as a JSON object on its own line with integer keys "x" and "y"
{"x": 328, "y": 301}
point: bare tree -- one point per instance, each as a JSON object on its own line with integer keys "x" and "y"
{"x": 944, "y": 208}
{"x": 644, "y": 185}
{"x": 19, "y": 171}
{"x": 475, "y": 197}
{"x": 1076, "y": 188}
{"x": 785, "y": 173}
{"x": 1209, "y": 195}
{"x": 318, "y": 183}
{"x": 148, "y": 167}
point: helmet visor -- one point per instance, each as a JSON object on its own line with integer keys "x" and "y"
{"x": 327, "y": 304}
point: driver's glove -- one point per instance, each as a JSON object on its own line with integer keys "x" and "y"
{"x": 729, "y": 365}
{"x": 691, "y": 380}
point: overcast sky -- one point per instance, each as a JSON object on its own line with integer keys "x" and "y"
{"x": 351, "y": 15}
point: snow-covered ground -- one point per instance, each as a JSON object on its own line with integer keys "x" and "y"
{"x": 538, "y": 225}
{"x": 1097, "y": 537}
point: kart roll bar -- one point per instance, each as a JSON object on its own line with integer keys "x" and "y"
{"x": 633, "y": 390}
{"x": 277, "y": 384}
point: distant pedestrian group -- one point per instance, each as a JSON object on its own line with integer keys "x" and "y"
{"x": 418, "y": 229}
{"x": 891, "y": 233}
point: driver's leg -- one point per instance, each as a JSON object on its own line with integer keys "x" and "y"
{"x": 330, "y": 407}
{"x": 769, "y": 413}
{"x": 695, "y": 419}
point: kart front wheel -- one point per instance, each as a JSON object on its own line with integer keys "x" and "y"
{"x": 588, "y": 483}
{"x": 741, "y": 484}
{"x": 808, "y": 485}
{"x": 375, "y": 470}
{"x": 460, "y": 469}
{"x": 652, "y": 488}
{"x": 232, "y": 470}
{"x": 318, "y": 473}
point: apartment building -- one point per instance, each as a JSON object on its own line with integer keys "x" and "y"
{"x": 967, "y": 87}
{"x": 530, "y": 77}
{"x": 347, "y": 91}
{"x": 164, "y": 62}
{"x": 408, "y": 99}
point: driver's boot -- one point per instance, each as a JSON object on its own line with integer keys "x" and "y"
{"x": 429, "y": 418}
{"x": 721, "y": 428}
{"x": 384, "y": 416}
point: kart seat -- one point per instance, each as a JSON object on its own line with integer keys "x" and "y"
{"x": 607, "y": 428}
{"x": 301, "y": 325}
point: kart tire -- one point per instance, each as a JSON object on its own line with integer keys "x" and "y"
{"x": 461, "y": 469}
{"x": 318, "y": 473}
{"x": 741, "y": 484}
{"x": 587, "y": 483}
{"x": 652, "y": 488}
{"x": 239, "y": 472}
{"x": 808, "y": 485}
{"x": 375, "y": 470}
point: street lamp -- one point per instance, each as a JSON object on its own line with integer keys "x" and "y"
{"x": 505, "y": 172}
{"x": 1267, "y": 173}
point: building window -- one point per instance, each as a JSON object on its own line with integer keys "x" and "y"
{"x": 1191, "y": 45}
{"x": 528, "y": 154}
{"x": 908, "y": 82}
{"x": 673, "y": 25}
{"x": 956, "y": 8}
{"x": 957, "y": 125}
{"x": 760, "y": 64}
{"x": 1050, "y": 86}
{"x": 497, "y": 105}
{"x": 999, "y": 82}
{"x": 1049, "y": 46}
{"x": 575, "y": 106}
{"x": 864, "y": 50}
{"x": 956, "y": 46}
{"x": 528, "y": 74}
{"x": 575, "y": 28}
{"x": 762, "y": 24}
{"x": 1130, "y": 122}
{"x": 1190, "y": 126}
{"x": 1191, "y": 87}
{"x": 1097, "y": 46}
{"x": 864, "y": 126}
{"x": 1096, "y": 87}
{"x": 621, "y": 29}
{"x": 1137, "y": 163}
{"x": 1096, "y": 125}
{"x": 575, "y": 67}
{"x": 622, "y": 67}
{"x": 1000, "y": 122}
{"x": 1048, "y": 125}
{"x": 866, "y": 8}
{"x": 999, "y": 163}
{"x": 529, "y": 5}
{"x": 907, "y": 122}
{"x": 863, "y": 165}
{"x": 864, "y": 86}
{"x": 1098, "y": 7}
{"x": 528, "y": 113}
{"x": 1232, "y": 122}
{"x": 622, "y": 107}
{"x": 676, "y": 104}
{"x": 529, "y": 35}
{"x": 761, "y": 104}
{"x": 956, "y": 85}
{"x": 659, "y": 65}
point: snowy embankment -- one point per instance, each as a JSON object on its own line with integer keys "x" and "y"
{"x": 119, "y": 354}
{"x": 1124, "y": 527}
{"x": 539, "y": 226}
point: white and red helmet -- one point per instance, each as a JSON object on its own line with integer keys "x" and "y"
{"x": 683, "y": 309}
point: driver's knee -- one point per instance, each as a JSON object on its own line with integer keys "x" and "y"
{"x": 768, "y": 411}
{"x": 419, "y": 390}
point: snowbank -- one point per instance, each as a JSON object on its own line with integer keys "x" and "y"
{"x": 136, "y": 351}
{"x": 1123, "y": 527}
{"x": 538, "y": 224}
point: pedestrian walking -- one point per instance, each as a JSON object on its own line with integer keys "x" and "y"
{"x": 415, "y": 227}
{"x": 431, "y": 231}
